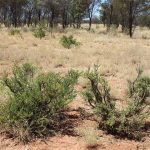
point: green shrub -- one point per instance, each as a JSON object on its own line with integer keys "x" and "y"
{"x": 67, "y": 42}
{"x": 39, "y": 33}
{"x": 15, "y": 31}
{"x": 127, "y": 122}
{"x": 35, "y": 104}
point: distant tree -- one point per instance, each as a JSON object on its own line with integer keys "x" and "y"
{"x": 127, "y": 13}
{"x": 51, "y": 11}
{"x": 90, "y": 10}
{"x": 124, "y": 12}
{"x": 144, "y": 20}
{"x": 107, "y": 13}
{"x": 78, "y": 10}
{"x": 134, "y": 8}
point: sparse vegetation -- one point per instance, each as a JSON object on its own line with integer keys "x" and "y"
{"x": 39, "y": 32}
{"x": 69, "y": 41}
{"x": 90, "y": 137}
{"x": 127, "y": 122}
{"x": 118, "y": 55}
{"x": 35, "y": 102}
{"x": 14, "y": 31}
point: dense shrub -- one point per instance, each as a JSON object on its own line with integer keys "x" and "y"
{"x": 69, "y": 41}
{"x": 35, "y": 102}
{"x": 39, "y": 32}
{"x": 127, "y": 122}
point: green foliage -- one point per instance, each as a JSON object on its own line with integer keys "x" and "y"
{"x": 144, "y": 20}
{"x": 35, "y": 103}
{"x": 98, "y": 91}
{"x": 39, "y": 32}
{"x": 67, "y": 42}
{"x": 15, "y": 31}
{"x": 139, "y": 89}
{"x": 127, "y": 122}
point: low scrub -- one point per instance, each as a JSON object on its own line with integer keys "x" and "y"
{"x": 39, "y": 33}
{"x": 35, "y": 102}
{"x": 91, "y": 137}
{"x": 127, "y": 122}
{"x": 68, "y": 42}
{"x": 15, "y": 31}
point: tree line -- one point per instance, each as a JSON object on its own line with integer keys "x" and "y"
{"x": 31, "y": 12}
{"x": 127, "y": 13}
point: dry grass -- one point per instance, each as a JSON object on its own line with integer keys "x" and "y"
{"x": 118, "y": 55}
{"x": 90, "y": 136}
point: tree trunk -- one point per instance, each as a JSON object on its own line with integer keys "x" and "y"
{"x": 90, "y": 23}
{"x": 39, "y": 15}
{"x": 29, "y": 19}
{"x": 111, "y": 14}
{"x": 131, "y": 19}
{"x": 52, "y": 19}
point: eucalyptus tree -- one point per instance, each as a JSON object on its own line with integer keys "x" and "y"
{"x": 92, "y": 4}
{"x": 124, "y": 12}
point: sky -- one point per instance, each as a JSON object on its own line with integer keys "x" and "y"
{"x": 97, "y": 10}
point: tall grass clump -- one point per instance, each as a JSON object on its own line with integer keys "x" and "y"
{"x": 68, "y": 41}
{"x": 39, "y": 32}
{"x": 128, "y": 122}
{"x": 14, "y": 31}
{"x": 113, "y": 30}
{"x": 35, "y": 102}
{"x": 91, "y": 138}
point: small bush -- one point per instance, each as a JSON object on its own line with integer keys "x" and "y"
{"x": 90, "y": 136}
{"x": 15, "y": 31}
{"x": 113, "y": 30}
{"x": 67, "y": 42}
{"x": 127, "y": 122}
{"x": 35, "y": 102}
{"x": 39, "y": 33}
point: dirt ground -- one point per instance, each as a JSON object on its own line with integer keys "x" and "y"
{"x": 116, "y": 53}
